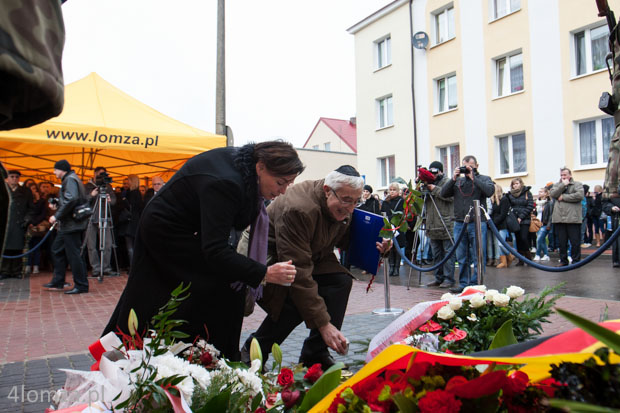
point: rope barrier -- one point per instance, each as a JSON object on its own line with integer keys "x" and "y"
{"x": 33, "y": 248}
{"x": 443, "y": 260}
{"x": 534, "y": 264}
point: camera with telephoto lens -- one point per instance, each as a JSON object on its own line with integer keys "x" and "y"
{"x": 53, "y": 201}
{"x": 464, "y": 170}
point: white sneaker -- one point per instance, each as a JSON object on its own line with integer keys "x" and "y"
{"x": 545, "y": 258}
{"x": 570, "y": 260}
{"x": 533, "y": 249}
{"x": 537, "y": 258}
{"x": 35, "y": 269}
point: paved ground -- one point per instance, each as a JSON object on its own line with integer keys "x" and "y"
{"x": 44, "y": 331}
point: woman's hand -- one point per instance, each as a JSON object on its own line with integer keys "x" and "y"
{"x": 282, "y": 273}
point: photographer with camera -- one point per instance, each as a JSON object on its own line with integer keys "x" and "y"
{"x": 439, "y": 225}
{"x": 466, "y": 186}
{"x": 66, "y": 246}
{"x": 99, "y": 189}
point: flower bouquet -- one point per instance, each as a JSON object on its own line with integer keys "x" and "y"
{"x": 468, "y": 322}
{"x": 154, "y": 372}
{"x": 406, "y": 379}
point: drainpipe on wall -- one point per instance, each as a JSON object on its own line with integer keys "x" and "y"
{"x": 415, "y": 130}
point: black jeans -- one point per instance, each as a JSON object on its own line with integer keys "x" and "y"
{"x": 572, "y": 233}
{"x": 334, "y": 289}
{"x": 66, "y": 247}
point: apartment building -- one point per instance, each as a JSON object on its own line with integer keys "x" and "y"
{"x": 515, "y": 83}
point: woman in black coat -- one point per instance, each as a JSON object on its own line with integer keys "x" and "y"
{"x": 522, "y": 204}
{"x": 394, "y": 203}
{"x": 369, "y": 202}
{"x": 183, "y": 237}
{"x": 134, "y": 204}
{"x": 499, "y": 210}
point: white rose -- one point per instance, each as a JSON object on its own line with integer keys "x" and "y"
{"x": 472, "y": 317}
{"x": 514, "y": 291}
{"x": 445, "y": 313}
{"x": 489, "y": 295}
{"x": 455, "y": 303}
{"x": 501, "y": 300}
{"x": 477, "y": 301}
{"x": 447, "y": 296}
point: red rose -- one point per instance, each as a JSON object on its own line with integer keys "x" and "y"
{"x": 516, "y": 383}
{"x": 285, "y": 378}
{"x": 206, "y": 359}
{"x": 289, "y": 398}
{"x": 481, "y": 386}
{"x": 313, "y": 373}
{"x": 439, "y": 401}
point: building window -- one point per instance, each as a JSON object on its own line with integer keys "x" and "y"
{"x": 500, "y": 8}
{"x": 328, "y": 146}
{"x": 385, "y": 112}
{"x": 443, "y": 24}
{"x": 594, "y": 138}
{"x": 446, "y": 93}
{"x": 450, "y": 157}
{"x": 509, "y": 74}
{"x": 512, "y": 154}
{"x": 589, "y": 49}
{"x": 386, "y": 170}
{"x": 383, "y": 52}
{"x": 315, "y": 147}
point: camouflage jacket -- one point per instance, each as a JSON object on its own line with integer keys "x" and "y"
{"x": 32, "y": 37}
{"x": 610, "y": 187}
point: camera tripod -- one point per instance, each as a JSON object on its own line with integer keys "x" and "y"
{"x": 420, "y": 240}
{"x": 104, "y": 223}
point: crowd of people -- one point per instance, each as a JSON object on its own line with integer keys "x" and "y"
{"x": 288, "y": 265}
{"x": 563, "y": 216}
{"x": 35, "y": 206}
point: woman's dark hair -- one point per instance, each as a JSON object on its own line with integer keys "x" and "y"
{"x": 279, "y": 157}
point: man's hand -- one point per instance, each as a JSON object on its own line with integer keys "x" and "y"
{"x": 430, "y": 187}
{"x": 615, "y": 209}
{"x": 456, "y": 174}
{"x": 282, "y": 273}
{"x": 52, "y": 219}
{"x": 565, "y": 181}
{"x": 470, "y": 173}
{"x": 94, "y": 192}
{"x": 334, "y": 338}
{"x": 560, "y": 198}
{"x": 384, "y": 246}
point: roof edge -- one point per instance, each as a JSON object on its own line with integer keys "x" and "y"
{"x": 387, "y": 9}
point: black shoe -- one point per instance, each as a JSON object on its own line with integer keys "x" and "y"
{"x": 616, "y": 264}
{"x": 563, "y": 264}
{"x": 446, "y": 284}
{"x": 456, "y": 290}
{"x": 111, "y": 273}
{"x": 4, "y": 276}
{"x": 75, "y": 291}
{"x": 325, "y": 361}
{"x": 433, "y": 284}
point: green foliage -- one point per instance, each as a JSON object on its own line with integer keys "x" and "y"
{"x": 149, "y": 394}
{"x": 504, "y": 336}
{"x": 323, "y": 386}
{"x": 401, "y": 220}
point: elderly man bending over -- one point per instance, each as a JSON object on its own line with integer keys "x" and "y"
{"x": 305, "y": 225}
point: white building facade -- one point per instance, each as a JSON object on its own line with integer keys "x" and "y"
{"x": 515, "y": 83}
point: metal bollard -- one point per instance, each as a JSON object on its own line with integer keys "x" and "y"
{"x": 386, "y": 286}
{"x": 479, "y": 253}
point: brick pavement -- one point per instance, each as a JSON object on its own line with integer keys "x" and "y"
{"x": 45, "y": 331}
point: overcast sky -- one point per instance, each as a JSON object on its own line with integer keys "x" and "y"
{"x": 288, "y": 62}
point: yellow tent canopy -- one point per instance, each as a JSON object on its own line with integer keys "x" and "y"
{"x": 102, "y": 126}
